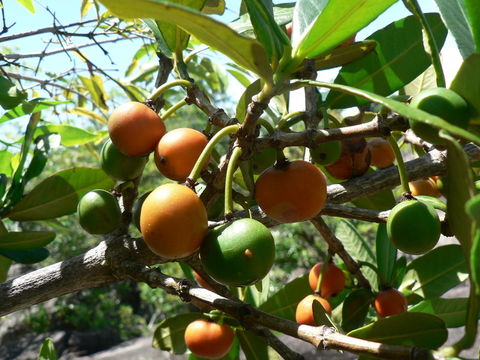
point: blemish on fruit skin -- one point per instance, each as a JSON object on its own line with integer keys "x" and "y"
{"x": 248, "y": 253}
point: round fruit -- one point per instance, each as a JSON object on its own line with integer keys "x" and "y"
{"x": 207, "y": 339}
{"x": 177, "y": 152}
{"x": 304, "y": 311}
{"x": 263, "y": 160}
{"x": 238, "y": 253}
{"x": 413, "y": 227}
{"x": 98, "y": 212}
{"x": 389, "y": 302}
{"x": 119, "y": 166}
{"x": 173, "y": 221}
{"x": 135, "y": 129}
{"x": 353, "y": 161}
{"x": 136, "y": 209}
{"x": 290, "y": 192}
{"x": 381, "y": 153}
{"x": 443, "y": 103}
{"x": 326, "y": 153}
{"x": 424, "y": 187}
{"x": 333, "y": 279}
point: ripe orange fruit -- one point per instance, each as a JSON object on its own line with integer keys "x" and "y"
{"x": 120, "y": 166}
{"x": 173, "y": 221}
{"x": 207, "y": 339}
{"x": 353, "y": 161}
{"x": 290, "y": 192}
{"x": 381, "y": 153}
{"x": 424, "y": 187}
{"x": 135, "y": 129}
{"x": 177, "y": 152}
{"x": 333, "y": 282}
{"x": 98, "y": 212}
{"x": 389, "y": 302}
{"x": 304, "y": 311}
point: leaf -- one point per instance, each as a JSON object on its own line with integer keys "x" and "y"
{"x": 141, "y": 53}
{"x": 85, "y": 7}
{"x": 25, "y": 240}
{"x": 325, "y": 24}
{"x": 320, "y": 315}
{"x": 381, "y": 200}
{"x": 59, "y": 194}
{"x": 47, "y": 350}
{"x": 246, "y": 98}
{"x": 30, "y": 107}
{"x": 411, "y": 329}
{"x": 397, "y": 60}
{"x": 30, "y": 256}
{"x": 88, "y": 113}
{"x": 434, "y": 202}
{"x": 436, "y": 272}
{"x": 5, "y": 163}
{"x": 245, "y": 52}
{"x": 473, "y": 17}
{"x": 36, "y": 166}
{"x": 282, "y": 14}
{"x": 285, "y": 301}
{"x": 95, "y": 89}
{"x": 10, "y": 95}
{"x": 70, "y": 135}
{"x": 27, "y": 4}
{"x": 254, "y": 347}
{"x": 467, "y": 84}
{"x": 452, "y": 311}
{"x": 161, "y": 43}
{"x": 355, "y": 308}
{"x": 386, "y": 255}
{"x": 4, "y": 267}
{"x": 425, "y": 80}
{"x": 169, "y": 334}
{"x": 453, "y": 13}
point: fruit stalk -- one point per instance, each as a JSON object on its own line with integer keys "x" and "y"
{"x": 400, "y": 164}
{"x": 159, "y": 91}
{"x": 232, "y": 165}
{"x": 171, "y": 110}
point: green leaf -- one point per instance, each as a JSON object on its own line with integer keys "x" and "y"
{"x": 144, "y": 50}
{"x": 436, "y": 203}
{"x": 436, "y": 272}
{"x": 47, "y": 350}
{"x": 386, "y": 255}
{"x": 5, "y": 163}
{"x": 467, "y": 84}
{"x": 411, "y": 329}
{"x": 397, "y": 60}
{"x": 285, "y": 301}
{"x": 216, "y": 7}
{"x": 4, "y": 267}
{"x": 382, "y": 200}
{"x": 169, "y": 334}
{"x": 333, "y": 21}
{"x": 30, "y": 256}
{"x": 71, "y": 135}
{"x": 30, "y": 107}
{"x": 473, "y": 17}
{"x": 27, "y": 4}
{"x": 425, "y": 80}
{"x": 90, "y": 114}
{"x": 320, "y": 315}
{"x": 95, "y": 89}
{"x": 473, "y": 210}
{"x": 254, "y": 347}
{"x": 36, "y": 166}
{"x": 10, "y": 95}
{"x": 25, "y": 240}
{"x": 355, "y": 308}
{"x": 452, "y": 311}
{"x": 59, "y": 194}
{"x": 245, "y": 52}
{"x": 246, "y": 98}
{"x": 161, "y": 43}
{"x": 454, "y": 14}
{"x": 282, "y": 14}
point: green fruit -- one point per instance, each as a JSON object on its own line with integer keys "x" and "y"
{"x": 119, "y": 166}
{"x": 238, "y": 253}
{"x": 413, "y": 227}
{"x": 326, "y": 153}
{"x": 443, "y": 103}
{"x": 136, "y": 209}
{"x": 263, "y": 160}
{"x": 98, "y": 212}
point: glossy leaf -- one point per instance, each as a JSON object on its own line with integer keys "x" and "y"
{"x": 285, "y": 301}
{"x": 411, "y": 329}
{"x": 452, "y": 311}
{"x": 245, "y": 52}
{"x": 169, "y": 334}
{"x": 434, "y": 202}
{"x": 59, "y": 194}
{"x": 70, "y": 135}
{"x": 254, "y": 347}
{"x": 282, "y": 13}
{"x": 30, "y": 107}
{"x": 473, "y": 210}
{"x": 325, "y": 24}
{"x": 5, "y": 163}
{"x": 436, "y": 272}
{"x": 398, "y": 59}
{"x": 36, "y": 166}
{"x": 25, "y": 240}
{"x": 30, "y": 256}
{"x": 467, "y": 84}
{"x": 28, "y": 4}
{"x": 320, "y": 315}
{"x": 382, "y": 200}
{"x": 425, "y": 80}
{"x": 10, "y": 95}
{"x": 47, "y": 350}
{"x": 386, "y": 254}
{"x": 355, "y": 308}
{"x": 5, "y": 264}
{"x": 473, "y": 18}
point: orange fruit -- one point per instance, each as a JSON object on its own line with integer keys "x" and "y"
{"x": 354, "y": 160}
{"x": 333, "y": 282}
{"x": 207, "y": 339}
{"x": 304, "y": 311}
{"x": 424, "y": 187}
{"x": 389, "y": 302}
{"x": 381, "y": 153}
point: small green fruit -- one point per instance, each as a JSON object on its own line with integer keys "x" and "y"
{"x": 98, "y": 212}
{"x": 326, "y": 153}
{"x": 238, "y": 253}
{"x": 413, "y": 227}
{"x": 119, "y": 166}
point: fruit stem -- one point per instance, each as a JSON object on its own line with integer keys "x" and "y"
{"x": 232, "y": 165}
{"x": 322, "y": 274}
{"x": 381, "y": 281}
{"x": 400, "y": 164}
{"x": 231, "y": 129}
{"x": 266, "y": 125}
{"x": 297, "y": 115}
{"x": 171, "y": 110}
{"x": 165, "y": 87}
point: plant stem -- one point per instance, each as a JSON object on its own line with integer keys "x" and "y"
{"x": 400, "y": 164}
{"x": 208, "y": 149}
{"x": 434, "y": 52}
{"x": 169, "y": 85}
{"x": 283, "y": 121}
{"x": 171, "y": 110}
{"x": 266, "y": 125}
{"x": 232, "y": 165}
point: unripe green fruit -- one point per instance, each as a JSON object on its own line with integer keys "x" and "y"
{"x": 326, "y": 153}
{"x": 443, "y": 103}
{"x": 98, "y": 212}
{"x": 413, "y": 227}
{"x": 238, "y": 253}
{"x": 119, "y": 166}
